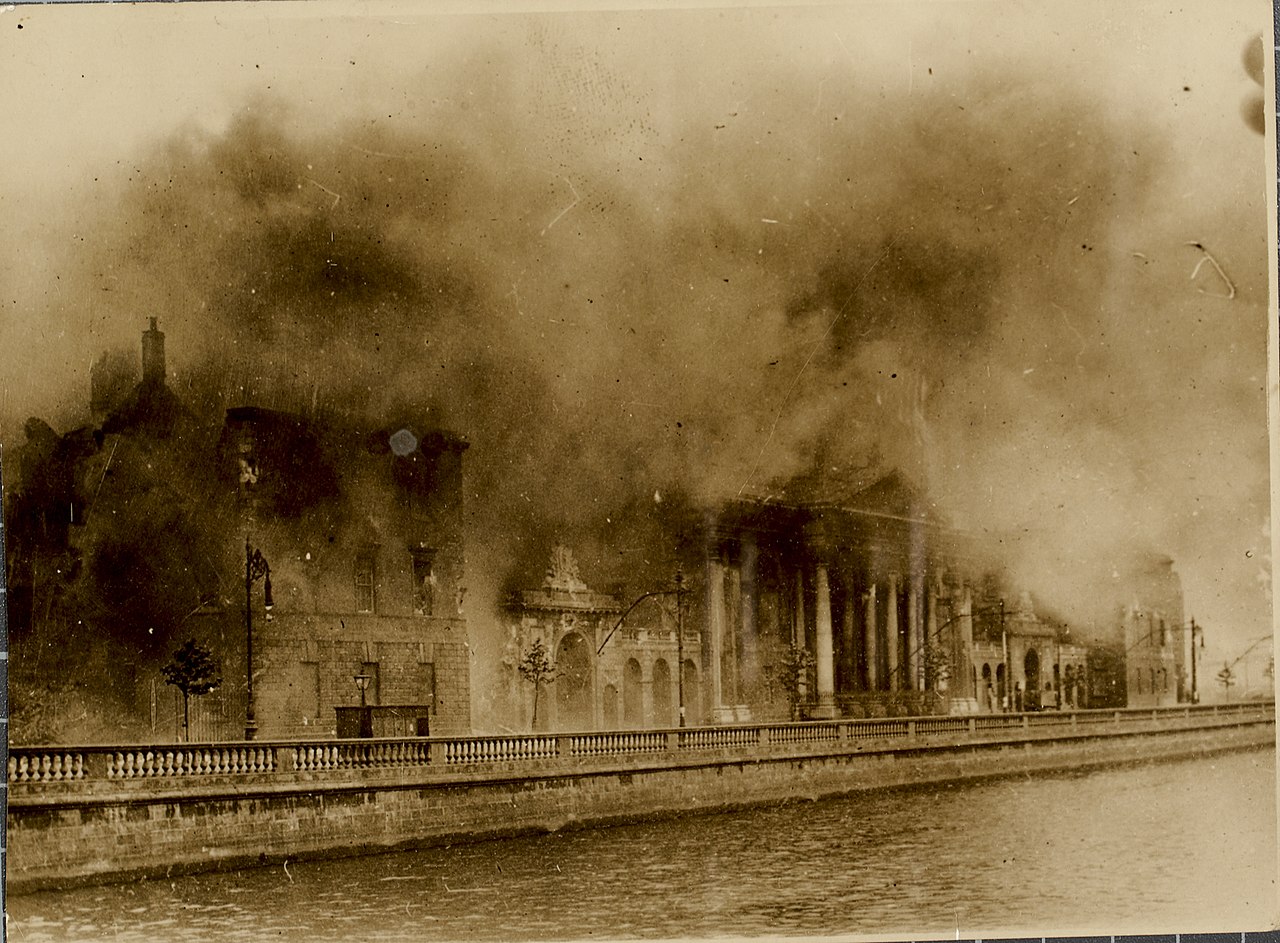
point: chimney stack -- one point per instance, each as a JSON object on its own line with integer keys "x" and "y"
{"x": 153, "y": 355}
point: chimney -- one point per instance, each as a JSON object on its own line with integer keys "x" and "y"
{"x": 153, "y": 356}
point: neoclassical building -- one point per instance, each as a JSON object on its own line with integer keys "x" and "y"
{"x": 616, "y": 663}
{"x": 874, "y": 586}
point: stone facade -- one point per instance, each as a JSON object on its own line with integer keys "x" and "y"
{"x": 173, "y": 525}
{"x": 367, "y": 581}
{"x": 899, "y": 617}
{"x": 873, "y": 587}
{"x": 610, "y": 675}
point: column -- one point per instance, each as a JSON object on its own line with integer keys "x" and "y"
{"x": 797, "y": 622}
{"x": 932, "y": 644}
{"x": 646, "y": 698}
{"x": 894, "y": 644}
{"x": 715, "y": 624}
{"x": 869, "y": 649}
{"x": 825, "y": 646}
{"x": 733, "y": 616}
{"x": 915, "y": 636}
{"x": 964, "y": 663}
{"x": 797, "y": 615}
{"x": 849, "y": 632}
{"x": 749, "y": 654}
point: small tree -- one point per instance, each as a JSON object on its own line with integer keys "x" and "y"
{"x": 536, "y": 668}
{"x": 194, "y": 671}
{"x": 1226, "y": 678}
{"x": 937, "y": 667}
{"x": 792, "y": 675}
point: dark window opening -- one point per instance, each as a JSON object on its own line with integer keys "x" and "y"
{"x": 424, "y": 583}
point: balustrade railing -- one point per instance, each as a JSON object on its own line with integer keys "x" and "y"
{"x": 46, "y": 766}
{"x": 718, "y": 738}
{"x": 617, "y": 742}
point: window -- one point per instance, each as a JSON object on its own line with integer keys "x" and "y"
{"x": 364, "y": 583}
{"x": 424, "y": 582}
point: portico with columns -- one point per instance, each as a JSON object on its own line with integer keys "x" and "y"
{"x": 872, "y": 588}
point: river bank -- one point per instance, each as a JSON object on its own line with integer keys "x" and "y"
{"x": 96, "y": 814}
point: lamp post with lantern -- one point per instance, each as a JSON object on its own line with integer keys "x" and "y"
{"x": 255, "y": 568}
{"x": 679, "y": 592}
{"x": 366, "y": 712}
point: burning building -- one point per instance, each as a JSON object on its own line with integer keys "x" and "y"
{"x": 153, "y": 525}
{"x": 610, "y": 673}
{"x": 895, "y": 611}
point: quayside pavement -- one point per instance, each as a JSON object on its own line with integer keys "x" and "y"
{"x": 99, "y": 813}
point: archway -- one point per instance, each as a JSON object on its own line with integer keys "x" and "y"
{"x": 1001, "y": 693}
{"x": 662, "y": 716}
{"x": 632, "y": 697}
{"x": 1031, "y": 671}
{"x": 986, "y": 694}
{"x": 573, "y": 684}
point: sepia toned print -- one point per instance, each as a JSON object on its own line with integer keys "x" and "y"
{"x": 668, "y": 472}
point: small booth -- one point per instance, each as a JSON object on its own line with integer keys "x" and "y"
{"x": 384, "y": 720}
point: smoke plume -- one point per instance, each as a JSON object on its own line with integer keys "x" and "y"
{"x": 980, "y": 281}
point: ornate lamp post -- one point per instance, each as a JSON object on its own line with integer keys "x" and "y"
{"x": 366, "y": 715}
{"x": 255, "y": 568}
{"x": 680, "y": 639}
{"x": 1195, "y": 693}
{"x": 678, "y": 592}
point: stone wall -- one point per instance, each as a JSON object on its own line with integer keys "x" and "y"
{"x": 105, "y": 816}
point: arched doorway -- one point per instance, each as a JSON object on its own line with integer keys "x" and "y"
{"x": 986, "y": 694}
{"x": 573, "y": 684}
{"x": 632, "y": 697}
{"x": 1001, "y": 693}
{"x": 1031, "y": 671}
{"x": 692, "y": 694}
{"x": 662, "y": 716}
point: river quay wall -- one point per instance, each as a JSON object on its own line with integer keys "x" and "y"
{"x": 109, "y": 813}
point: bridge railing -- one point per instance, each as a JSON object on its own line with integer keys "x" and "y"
{"x": 39, "y": 765}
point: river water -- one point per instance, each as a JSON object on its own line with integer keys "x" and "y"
{"x": 1188, "y": 845}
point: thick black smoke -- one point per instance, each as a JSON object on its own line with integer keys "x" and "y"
{"x": 628, "y": 317}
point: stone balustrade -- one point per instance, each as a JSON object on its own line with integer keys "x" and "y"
{"x": 33, "y": 768}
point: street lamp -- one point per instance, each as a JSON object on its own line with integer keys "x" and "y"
{"x": 680, "y": 640}
{"x": 981, "y": 611}
{"x": 366, "y": 713}
{"x": 678, "y": 592}
{"x": 255, "y": 568}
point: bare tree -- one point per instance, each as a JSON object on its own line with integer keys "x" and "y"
{"x": 1226, "y": 678}
{"x": 537, "y": 668}
{"x": 194, "y": 671}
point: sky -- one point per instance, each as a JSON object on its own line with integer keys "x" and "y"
{"x": 1017, "y": 251}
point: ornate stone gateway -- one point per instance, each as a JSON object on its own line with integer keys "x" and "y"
{"x": 630, "y": 683}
